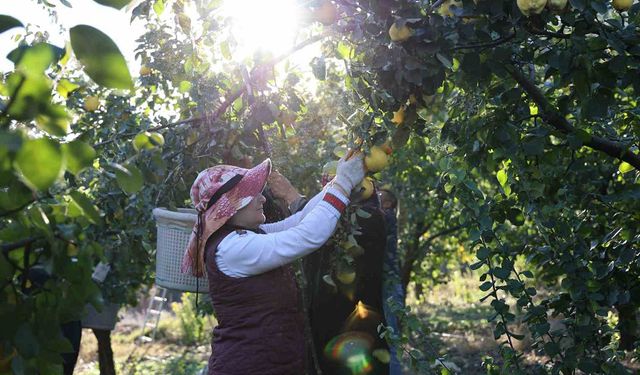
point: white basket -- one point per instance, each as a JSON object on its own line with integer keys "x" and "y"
{"x": 174, "y": 230}
{"x": 101, "y": 320}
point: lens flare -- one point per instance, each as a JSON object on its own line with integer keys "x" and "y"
{"x": 352, "y": 350}
{"x": 363, "y": 318}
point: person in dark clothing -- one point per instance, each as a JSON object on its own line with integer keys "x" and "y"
{"x": 71, "y": 330}
{"x": 251, "y": 283}
{"x": 392, "y": 292}
{"x": 347, "y": 315}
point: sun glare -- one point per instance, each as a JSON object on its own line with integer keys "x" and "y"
{"x": 260, "y": 25}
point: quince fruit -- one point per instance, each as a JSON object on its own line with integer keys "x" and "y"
{"x": 365, "y": 190}
{"x": 147, "y": 140}
{"x": 528, "y": 7}
{"x": 557, "y": 5}
{"x": 377, "y": 159}
{"x": 445, "y": 11}
{"x": 91, "y": 103}
{"x": 157, "y": 139}
{"x": 622, "y": 5}
{"x": 145, "y": 70}
{"x": 399, "y": 34}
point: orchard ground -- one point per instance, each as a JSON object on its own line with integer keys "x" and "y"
{"x": 458, "y": 321}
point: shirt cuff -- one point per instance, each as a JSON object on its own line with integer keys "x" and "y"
{"x": 334, "y": 199}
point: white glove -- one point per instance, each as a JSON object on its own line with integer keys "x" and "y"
{"x": 350, "y": 172}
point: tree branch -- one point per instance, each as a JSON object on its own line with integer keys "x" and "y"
{"x": 551, "y": 115}
{"x": 548, "y": 33}
{"x": 256, "y": 73}
{"x": 493, "y": 43}
{"x": 7, "y": 247}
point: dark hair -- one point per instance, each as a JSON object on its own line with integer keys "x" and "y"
{"x": 390, "y": 197}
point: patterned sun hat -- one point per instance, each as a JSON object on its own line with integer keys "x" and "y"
{"x": 217, "y": 194}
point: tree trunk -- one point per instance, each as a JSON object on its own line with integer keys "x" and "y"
{"x": 628, "y": 325}
{"x": 105, "y": 354}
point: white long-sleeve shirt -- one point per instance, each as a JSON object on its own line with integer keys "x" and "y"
{"x": 243, "y": 254}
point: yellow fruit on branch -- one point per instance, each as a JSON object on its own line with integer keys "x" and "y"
{"x": 398, "y": 116}
{"x": 156, "y": 139}
{"x": 528, "y": 7}
{"x": 145, "y": 70}
{"x": 91, "y": 103}
{"x": 557, "y": 5}
{"x": 147, "y": 141}
{"x": 622, "y": 5}
{"x": 386, "y": 148}
{"x": 445, "y": 9}
{"x": 363, "y": 191}
{"x": 399, "y": 34}
{"x": 345, "y": 273}
{"x": 376, "y": 160}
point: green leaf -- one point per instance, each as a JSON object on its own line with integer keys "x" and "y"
{"x": 79, "y": 155}
{"x": 185, "y": 86}
{"x": 502, "y": 177}
{"x": 362, "y": 213}
{"x": 101, "y": 58}
{"x": 625, "y": 167}
{"x": 8, "y": 22}
{"x": 65, "y": 87}
{"x": 483, "y": 253}
{"x": 444, "y": 60}
{"x": 515, "y": 216}
{"x": 129, "y": 178}
{"x": 158, "y": 7}
{"x": 30, "y": 95}
{"x": 501, "y": 273}
{"x": 40, "y": 161}
{"x": 225, "y": 50}
{"x": 486, "y": 286}
{"x": 551, "y": 348}
{"x": 35, "y": 59}
{"x": 90, "y": 211}
{"x": 54, "y": 120}
{"x": 26, "y": 342}
{"x": 118, "y": 4}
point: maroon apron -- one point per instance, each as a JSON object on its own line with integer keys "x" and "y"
{"x": 260, "y": 321}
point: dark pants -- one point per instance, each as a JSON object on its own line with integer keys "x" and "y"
{"x": 72, "y": 331}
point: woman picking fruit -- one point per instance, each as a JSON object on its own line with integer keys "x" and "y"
{"x": 251, "y": 283}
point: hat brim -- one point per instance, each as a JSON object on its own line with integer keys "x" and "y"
{"x": 251, "y": 184}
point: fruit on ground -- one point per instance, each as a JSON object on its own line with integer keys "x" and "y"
{"x": 398, "y": 116}
{"x": 622, "y": 5}
{"x": 445, "y": 11}
{"x": 528, "y": 7}
{"x": 399, "y": 34}
{"x": 557, "y": 5}
{"x": 376, "y": 160}
{"x": 91, "y": 103}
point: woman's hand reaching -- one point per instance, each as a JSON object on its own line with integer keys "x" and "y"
{"x": 281, "y": 188}
{"x": 350, "y": 172}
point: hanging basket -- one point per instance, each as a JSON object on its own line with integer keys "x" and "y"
{"x": 101, "y": 320}
{"x": 174, "y": 229}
